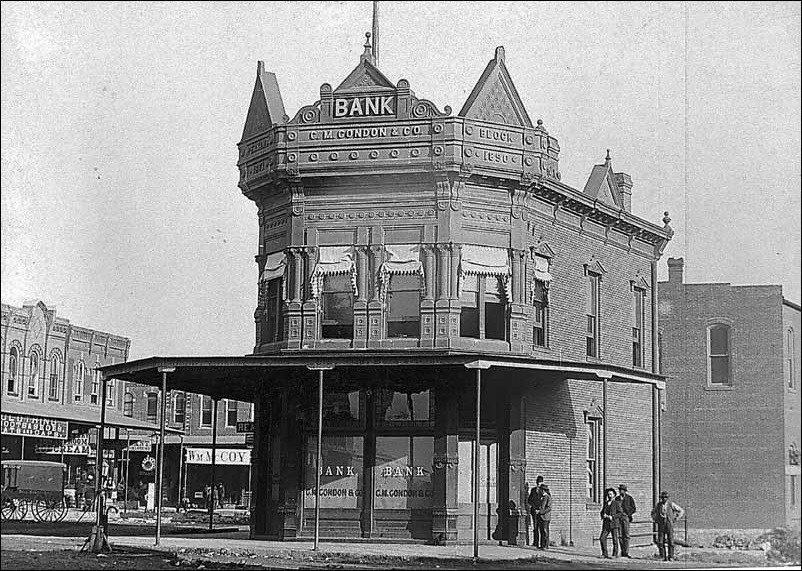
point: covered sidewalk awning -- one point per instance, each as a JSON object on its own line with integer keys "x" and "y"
{"x": 89, "y": 415}
{"x": 238, "y": 377}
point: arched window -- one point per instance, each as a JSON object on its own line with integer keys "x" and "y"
{"x": 128, "y": 404}
{"x": 719, "y": 368}
{"x": 790, "y": 358}
{"x": 55, "y": 377}
{"x": 180, "y": 408}
{"x": 78, "y": 385}
{"x": 153, "y": 406}
{"x": 13, "y": 369}
{"x": 33, "y": 379}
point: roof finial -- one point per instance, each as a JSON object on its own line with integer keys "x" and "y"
{"x": 607, "y": 158}
{"x": 368, "y": 53}
{"x": 375, "y": 32}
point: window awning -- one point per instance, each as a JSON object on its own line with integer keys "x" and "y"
{"x": 542, "y": 269}
{"x": 333, "y": 260}
{"x": 486, "y": 261}
{"x": 402, "y": 259}
{"x": 275, "y": 266}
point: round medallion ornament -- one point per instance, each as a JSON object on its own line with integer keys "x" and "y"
{"x": 468, "y": 152}
{"x": 334, "y": 156}
{"x": 394, "y": 154}
{"x": 292, "y": 136}
{"x": 437, "y": 128}
{"x": 373, "y": 154}
{"x": 414, "y": 152}
{"x": 313, "y": 157}
{"x": 353, "y": 155}
{"x": 291, "y": 157}
{"x": 468, "y": 130}
{"x": 438, "y": 150}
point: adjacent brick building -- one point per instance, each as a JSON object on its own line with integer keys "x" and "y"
{"x": 731, "y": 429}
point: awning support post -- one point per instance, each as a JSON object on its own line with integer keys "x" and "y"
{"x": 160, "y": 462}
{"x": 97, "y": 541}
{"x": 319, "y": 456}
{"x": 478, "y": 365}
{"x": 214, "y": 462}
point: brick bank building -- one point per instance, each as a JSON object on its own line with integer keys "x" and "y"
{"x": 414, "y": 255}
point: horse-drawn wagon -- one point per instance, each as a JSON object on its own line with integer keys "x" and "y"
{"x": 33, "y": 483}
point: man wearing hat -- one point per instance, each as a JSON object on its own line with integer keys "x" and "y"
{"x": 664, "y": 514}
{"x": 534, "y": 509}
{"x": 628, "y": 508}
{"x": 544, "y": 517}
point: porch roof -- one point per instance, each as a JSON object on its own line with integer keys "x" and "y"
{"x": 237, "y": 377}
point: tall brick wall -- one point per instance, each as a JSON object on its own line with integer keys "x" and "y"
{"x": 792, "y": 320}
{"x": 724, "y": 445}
{"x": 556, "y": 449}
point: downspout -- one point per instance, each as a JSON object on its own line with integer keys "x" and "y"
{"x": 655, "y": 392}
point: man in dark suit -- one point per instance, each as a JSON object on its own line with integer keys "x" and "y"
{"x": 611, "y": 515}
{"x": 534, "y": 508}
{"x": 544, "y": 517}
{"x": 628, "y": 508}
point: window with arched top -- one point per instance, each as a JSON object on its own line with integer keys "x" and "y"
{"x": 790, "y": 359}
{"x": 54, "y": 380}
{"x": 152, "y": 407}
{"x": 33, "y": 378}
{"x": 13, "y": 370}
{"x": 719, "y": 355}
{"x": 128, "y": 404}
{"x": 78, "y": 382}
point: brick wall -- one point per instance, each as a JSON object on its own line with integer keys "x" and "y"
{"x": 721, "y": 445}
{"x": 556, "y": 449}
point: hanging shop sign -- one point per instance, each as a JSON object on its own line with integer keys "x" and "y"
{"x": 78, "y": 446}
{"x": 141, "y": 446}
{"x": 223, "y": 456}
{"x": 16, "y": 425}
{"x": 148, "y": 464}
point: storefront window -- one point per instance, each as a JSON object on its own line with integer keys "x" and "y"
{"x": 403, "y": 472}
{"x": 341, "y": 477}
{"x": 341, "y": 408}
{"x": 394, "y": 407}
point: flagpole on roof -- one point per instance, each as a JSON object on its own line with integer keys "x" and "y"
{"x": 375, "y": 32}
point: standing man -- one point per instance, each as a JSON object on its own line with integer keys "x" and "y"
{"x": 665, "y": 514}
{"x": 628, "y": 508}
{"x": 534, "y": 509}
{"x": 544, "y": 517}
{"x": 611, "y": 522}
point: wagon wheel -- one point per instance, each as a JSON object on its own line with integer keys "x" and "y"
{"x": 14, "y": 509}
{"x": 49, "y": 509}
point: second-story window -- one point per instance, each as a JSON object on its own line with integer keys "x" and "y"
{"x": 55, "y": 377}
{"x": 206, "y": 411}
{"x": 111, "y": 392}
{"x": 13, "y": 371}
{"x": 541, "y": 281}
{"x": 95, "y": 384}
{"x": 334, "y": 284}
{"x": 484, "y": 278}
{"x": 231, "y": 413}
{"x": 78, "y": 382}
{"x": 33, "y": 379}
{"x": 179, "y": 408}
{"x": 128, "y": 404}
{"x": 400, "y": 280}
{"x": 790, "y": 359}
{"x": 272, "y": 284}
{"x": 719, "y": 370}
{"x": 152, "y": 411}
{"x": 638, "y": 295}
{"x": 592, "y": 311}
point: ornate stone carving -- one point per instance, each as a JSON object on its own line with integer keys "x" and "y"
{"x": 423, "y": 109}
{"x": 297, "y": 197}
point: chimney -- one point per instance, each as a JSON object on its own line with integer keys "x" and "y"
{"x": 675, "y": 270}
{"x": 624, "y": 182}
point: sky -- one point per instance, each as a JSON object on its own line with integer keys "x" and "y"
{"x": 119, "y": 197}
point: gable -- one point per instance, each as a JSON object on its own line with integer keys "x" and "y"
{"x": 601, "y": 185}
{"x": 266, "y": 107}
{"x": 365, "y": 76}
{"x": 494, "y": 97}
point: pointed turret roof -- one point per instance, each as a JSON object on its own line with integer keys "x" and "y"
{"x": 266, "y": 107}
{"x": 601, "y": 184}
{"x": 494, "y": 97}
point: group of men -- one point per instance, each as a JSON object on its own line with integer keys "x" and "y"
{"x": 616, "y": 513}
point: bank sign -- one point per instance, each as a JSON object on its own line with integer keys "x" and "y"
{"x": 223, "y": 456}
{"x": 368, "y": 106}
{"x": 16, "y": 425}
